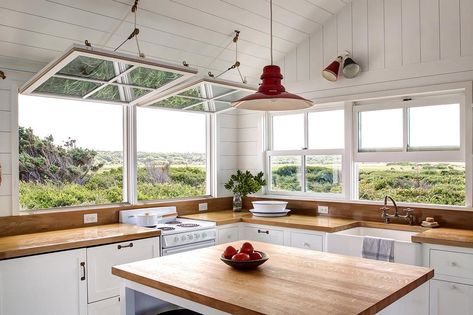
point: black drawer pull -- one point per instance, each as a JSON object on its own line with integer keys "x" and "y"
{"x": 261, "y": 231}
{"x": 82, "y": 264}
{"x": 125, "y": 246}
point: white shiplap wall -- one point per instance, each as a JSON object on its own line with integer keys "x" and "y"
{"x": 398, "y": 43}
{"x": 239, "y": 145}
{"x": 9, "y": 143}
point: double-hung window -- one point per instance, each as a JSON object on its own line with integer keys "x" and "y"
{"x": 306, "y": 152}
{"x": 412, "y": 150}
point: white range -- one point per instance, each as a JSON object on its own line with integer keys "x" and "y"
{"x": 177, "y": 234}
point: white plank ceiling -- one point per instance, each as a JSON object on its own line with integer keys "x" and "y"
{"x": 33, "y": 32}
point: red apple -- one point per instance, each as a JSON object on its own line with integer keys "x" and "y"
{"x": 241, "y": 257}
{"x": 255, "y": 256}
{"x": 229, "y": 252}
{"x": 246, "y": 248}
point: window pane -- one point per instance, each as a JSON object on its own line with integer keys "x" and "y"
{"x": 324, "y": 173}
{"x": 288, "y": 132}
{"x": 380, "y": 130}
{"x": 69, "y": 154}
{"x": 434, "y": 126}
{"x": 286, "y": 173}
{"x": 429, "y": 183}
{"x": 326, "y": 130}
{"x": 171, "y": 157}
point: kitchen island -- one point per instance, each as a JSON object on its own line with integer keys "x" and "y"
{"x": 292, "y": 281}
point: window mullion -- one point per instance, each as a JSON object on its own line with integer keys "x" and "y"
{"x": 405, "y": 128}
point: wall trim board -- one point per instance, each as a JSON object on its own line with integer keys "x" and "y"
{"x": 460, "y": 219}
{"x": 60, "y": 219}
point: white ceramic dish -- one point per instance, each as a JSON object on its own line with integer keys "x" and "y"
{"x": 269, "y": 214}
{"x": 269, "y": 206}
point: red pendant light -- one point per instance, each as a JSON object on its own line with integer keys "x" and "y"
{"x": 272, "y": 95}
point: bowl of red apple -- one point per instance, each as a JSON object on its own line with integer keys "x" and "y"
{"x": 244, "y": 258}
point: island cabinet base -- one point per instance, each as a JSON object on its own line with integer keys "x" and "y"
{"x": 136, "y": 298}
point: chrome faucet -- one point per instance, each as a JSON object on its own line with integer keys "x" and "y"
{"x": 408, "y": 216}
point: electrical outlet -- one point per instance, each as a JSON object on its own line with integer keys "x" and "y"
{"x": 203, "y": 206}
{"x": 322, "y": 209}
{"x": 90, "y": 218}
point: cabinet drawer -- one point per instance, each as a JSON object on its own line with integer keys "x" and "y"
{"x": 101, "y": 284}
{"x": 227, "y": 235}
{"x": 448, "y": 298}
{"x": 263, "y": 234}
{"x": 454, "y": 264}
{"x": 307, "y": 241}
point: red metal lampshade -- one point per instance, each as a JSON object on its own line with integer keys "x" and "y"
{"x": 272, "y": 95}
{"x": 331, "y": 72}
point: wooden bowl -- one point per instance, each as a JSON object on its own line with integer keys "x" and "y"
{"x": 246, "y": 264}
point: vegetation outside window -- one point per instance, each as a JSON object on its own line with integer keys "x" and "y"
{"x": 70, "y": 155}
{"x": 171, "y": 154}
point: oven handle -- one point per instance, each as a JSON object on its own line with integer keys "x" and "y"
{"x": 184, "y": 248}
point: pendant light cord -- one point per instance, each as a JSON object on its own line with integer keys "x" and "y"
{"x": 271, "y": 28}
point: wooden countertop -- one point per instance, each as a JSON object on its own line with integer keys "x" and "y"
{"x": 316, "y": 223}
{"x": 445, "y": 236}
{"x": 292, "y": 281}
{"x": 38, "y": 243}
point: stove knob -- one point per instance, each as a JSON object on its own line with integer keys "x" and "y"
{"x": 176, "y": 239}
{"x": 197, "y": 236}
{"x": 204, "y": 235}
{"x": 183, "y": 238}
{"x": 190, "y": 236}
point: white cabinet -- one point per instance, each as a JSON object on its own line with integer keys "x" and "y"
{"x": 227, "y": 234}
{"x": 100, "y": 260}
{"x": 48, "y": 284}
{"x": 451, "y": 290}
{"x": 448, "y": 298}
{"x": 109, "y": 306}
{"x": 263, "y": 233}
{"x": 307, "y": 241}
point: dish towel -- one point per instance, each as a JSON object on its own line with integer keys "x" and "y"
{"x": 378, "y": 248}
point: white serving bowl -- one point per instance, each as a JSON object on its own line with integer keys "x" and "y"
{"x": 269, "y": 206}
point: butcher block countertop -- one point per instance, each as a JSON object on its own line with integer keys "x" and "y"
{"x": 444, "y": 236}
{"x": 292, "y": 281}
{"x": 44, "y": 242}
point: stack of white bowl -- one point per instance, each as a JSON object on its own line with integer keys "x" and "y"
{"x": 269, "y": 208}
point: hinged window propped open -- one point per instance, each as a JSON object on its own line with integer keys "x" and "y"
{"x": 203, "y": 94}
{"x": 95, "y": 75}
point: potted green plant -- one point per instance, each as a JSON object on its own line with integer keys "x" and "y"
{"x": 242, "y": 184}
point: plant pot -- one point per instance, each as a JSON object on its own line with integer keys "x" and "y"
{"x": 237, "y": 202}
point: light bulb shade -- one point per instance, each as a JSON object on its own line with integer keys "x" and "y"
{"x": 331, "y": 72}
{"x": 272, "y": 95}
{"x": 350, "y": 68}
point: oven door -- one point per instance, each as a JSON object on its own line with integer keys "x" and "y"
{"x": 185, "y": 248}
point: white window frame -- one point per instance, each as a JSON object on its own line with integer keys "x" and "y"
{"x": 303, "y": 152}
{"x": 404, "y": 154}
{"x": 426, "y": 154}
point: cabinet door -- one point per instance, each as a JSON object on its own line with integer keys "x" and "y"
{"x": 105, "y": 307}
{"x": 226, "y": 235}
{"x": 307, "y": 241}
{"x": 48, "y": 284}
{"x": 447, "y": 298}
{"x": 264, "y": 234}
{"x": 101, "y": 283}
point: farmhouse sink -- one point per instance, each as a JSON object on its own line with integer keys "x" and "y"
{"x": 350, "y": 241}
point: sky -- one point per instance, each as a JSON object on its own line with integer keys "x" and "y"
{"x": 98, "y": 126}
